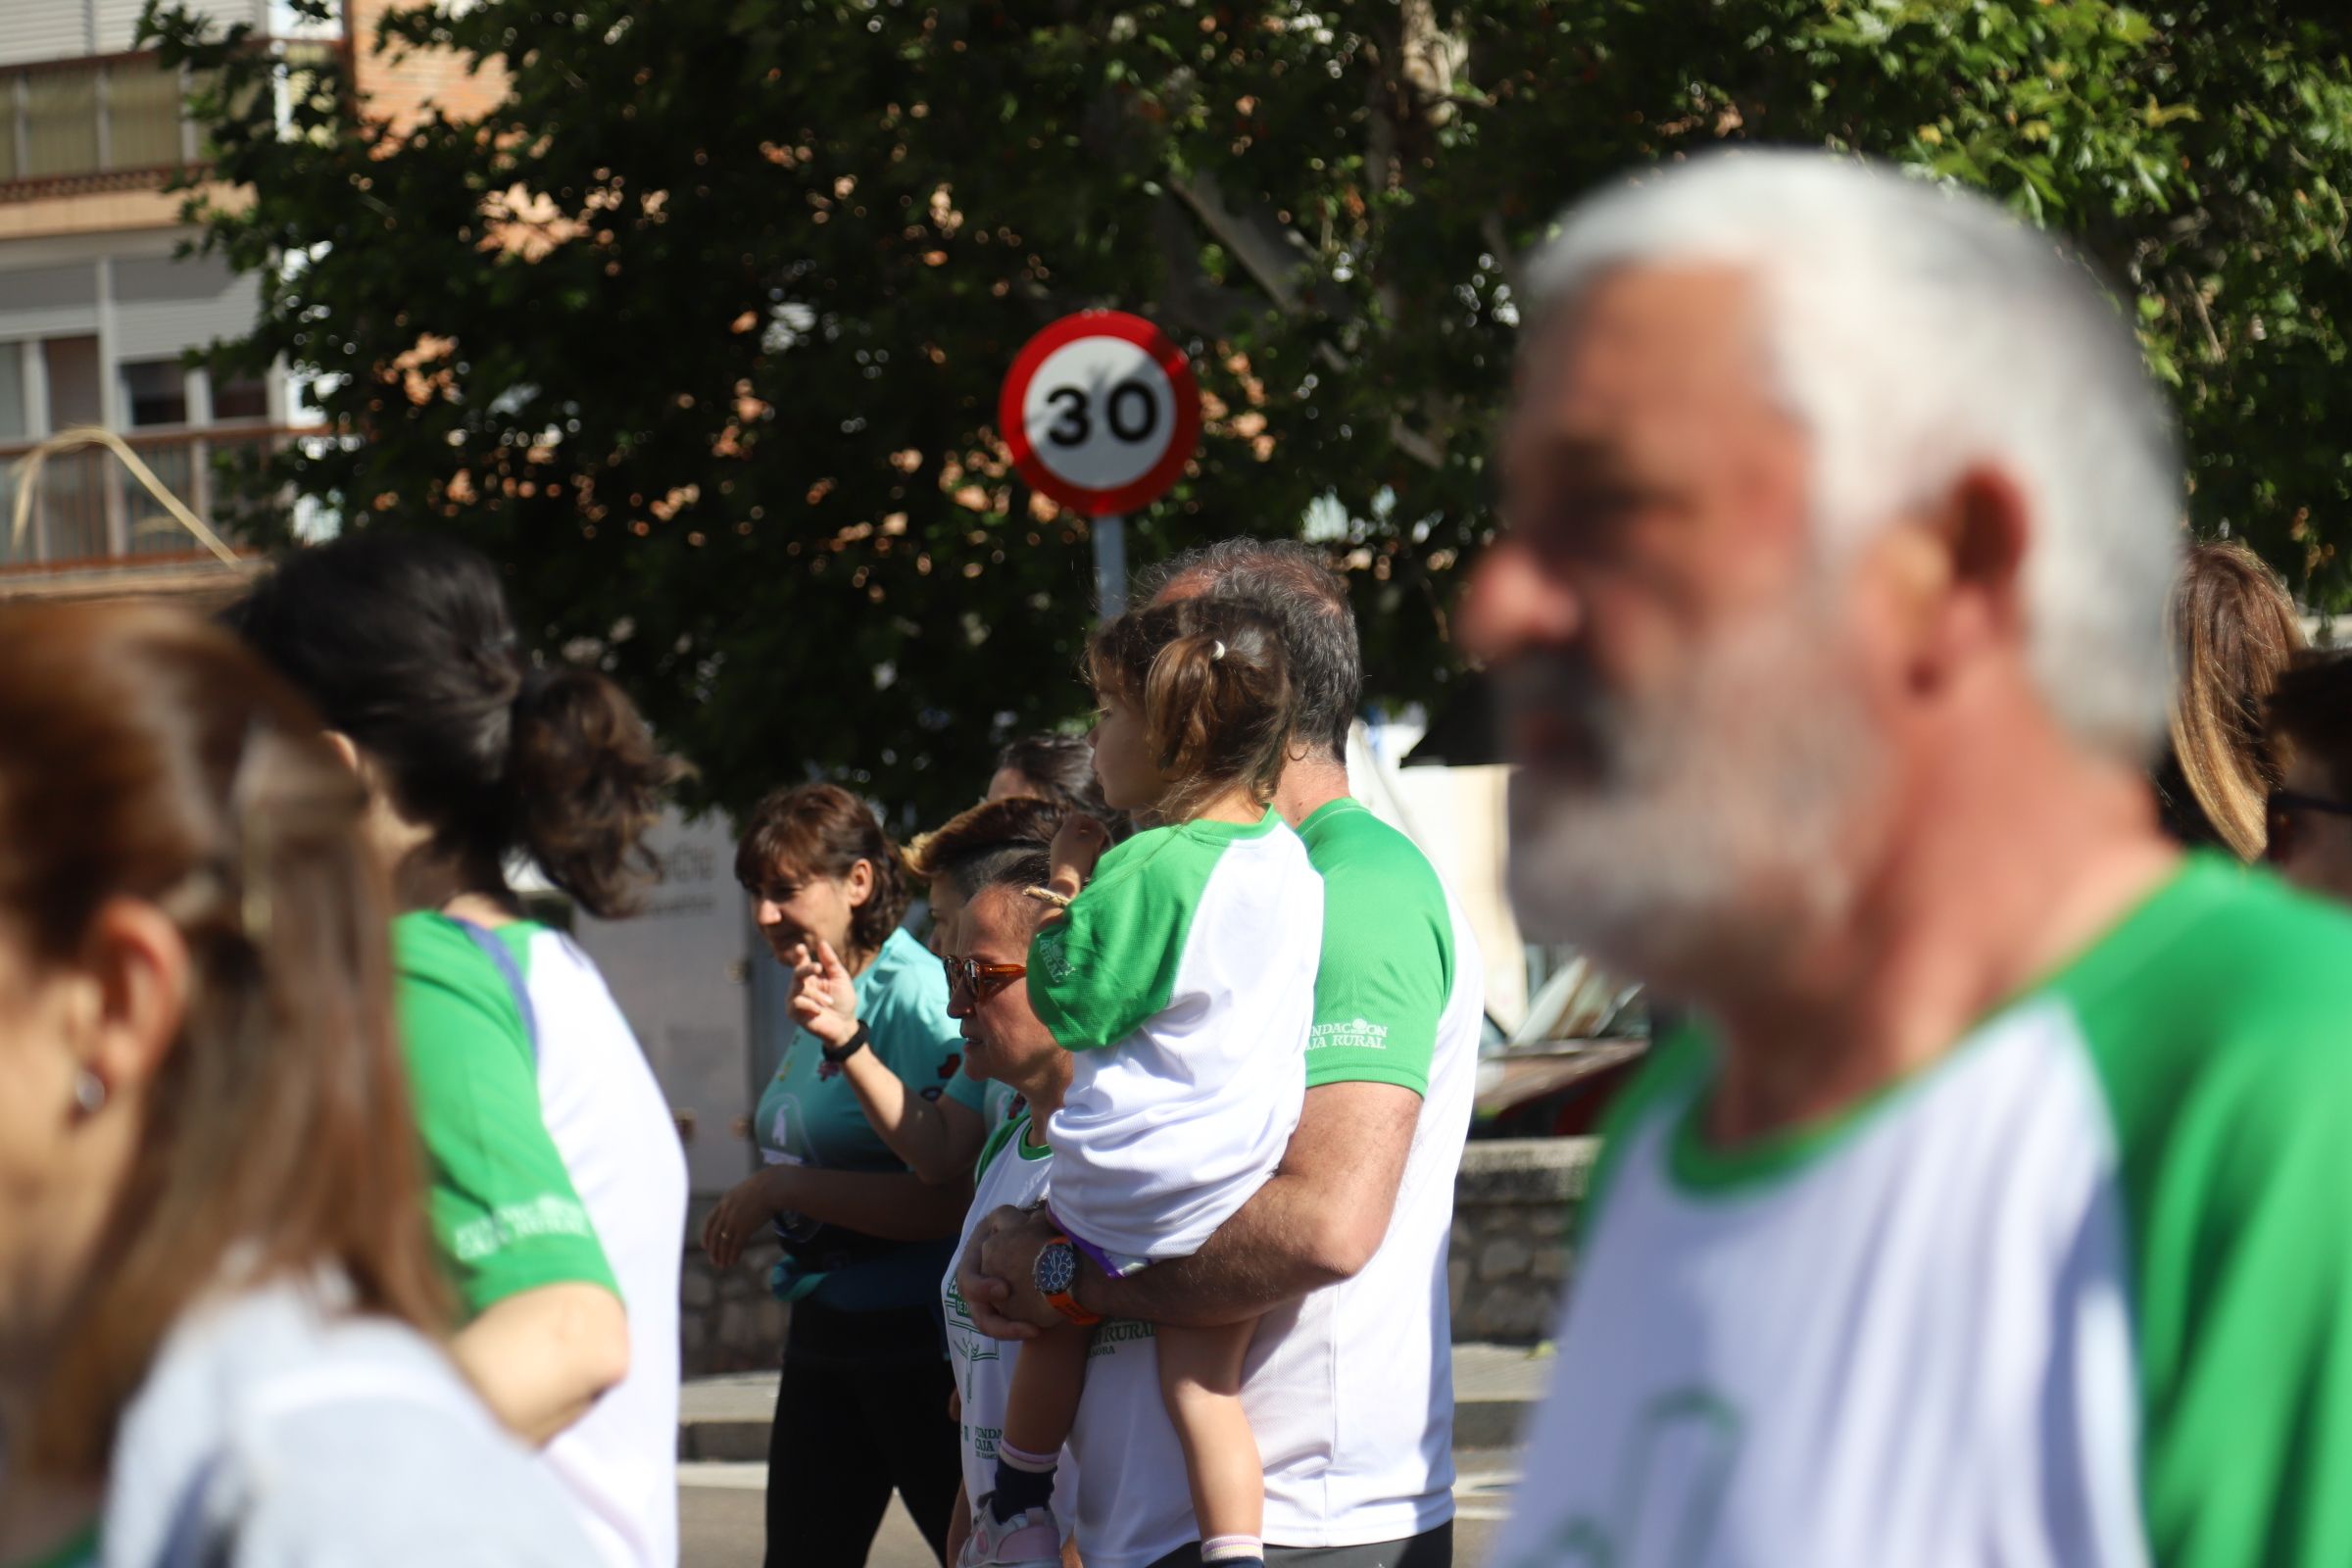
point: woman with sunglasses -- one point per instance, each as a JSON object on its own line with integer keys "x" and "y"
{"x": 869, "y": 1130}
{"x": 1007, "y": 1044}
{"x": 2311, "y": 814}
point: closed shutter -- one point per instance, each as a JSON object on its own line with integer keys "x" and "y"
{"x": 118, "y": 21}
{"x": 44, "y": 30}
{"x": 49, "y": 301}
{"x": 163, "y": 306}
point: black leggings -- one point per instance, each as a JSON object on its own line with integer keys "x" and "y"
{"x": 1432, "y": 1548}
{"x": 863, "y": 1411}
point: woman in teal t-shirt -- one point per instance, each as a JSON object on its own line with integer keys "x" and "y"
{"x": 868, "y": 1133}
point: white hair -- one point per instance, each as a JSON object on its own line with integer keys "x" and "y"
{"x": 1918, "y": 332}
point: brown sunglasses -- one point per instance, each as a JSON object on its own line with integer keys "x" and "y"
{"x": 971, "y": 982}
{"x": 2284, "y": 808}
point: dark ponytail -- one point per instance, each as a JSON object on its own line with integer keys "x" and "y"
{"x": 586, "y": 782}
{"x": 1215, "y": 691}
{"x": 404, "y": 643}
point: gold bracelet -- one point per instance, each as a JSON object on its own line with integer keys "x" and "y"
{"x": 1059, "y": 900}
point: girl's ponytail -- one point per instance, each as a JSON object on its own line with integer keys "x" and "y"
{"x": 1215, "y": 691}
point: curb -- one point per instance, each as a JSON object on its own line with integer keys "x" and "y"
{"x": 732, "y": 1440}
{"x": 1490, "y": 1423}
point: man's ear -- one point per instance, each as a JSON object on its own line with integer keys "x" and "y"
{"x": 347, "y": 749}
{"x": 1955, "y": 574}
{"x": 1989, "y": 537}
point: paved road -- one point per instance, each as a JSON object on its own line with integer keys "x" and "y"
{"x": 723, "y": 1520}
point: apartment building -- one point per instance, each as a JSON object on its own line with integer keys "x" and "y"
{"x": 95, "y": 309}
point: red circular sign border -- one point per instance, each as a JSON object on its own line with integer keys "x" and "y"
{"x": 1162, "y": 475}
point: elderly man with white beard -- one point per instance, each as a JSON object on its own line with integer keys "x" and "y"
{"x": 1995, "y": 1214}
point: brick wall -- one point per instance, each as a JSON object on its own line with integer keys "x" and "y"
{"x": 398, "y": 87}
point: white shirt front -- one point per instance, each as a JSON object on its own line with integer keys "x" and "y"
{"x": 610, "y": 1122}
{"x": 1350, "y": 1390}
{"x": 1902, "y": 1342}
{"x": 1012, "y": 1175}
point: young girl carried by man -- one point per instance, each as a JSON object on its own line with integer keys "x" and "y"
{"x": 1180, "y": 976}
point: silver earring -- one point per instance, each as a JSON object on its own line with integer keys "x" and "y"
{"x": 90, "y": 1092}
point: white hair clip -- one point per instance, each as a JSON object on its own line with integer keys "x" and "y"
{"x": 1216, "y": 653}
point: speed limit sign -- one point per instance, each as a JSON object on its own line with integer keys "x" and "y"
{"x": 1101, "y": 412}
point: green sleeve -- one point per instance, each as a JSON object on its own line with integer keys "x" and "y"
{"x": 501, "y": 1203}
{"x": 2222, "y": 1030}
{"x": 917, "y": 1040}
{"x": 2244, "y": 1312}
{"x": 1109, "y": 963}
{"x": 1385, "y": 972}
{"x": 2243, "y": 1303}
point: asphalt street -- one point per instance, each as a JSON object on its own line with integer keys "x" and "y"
{"x": 722, "y": 1515}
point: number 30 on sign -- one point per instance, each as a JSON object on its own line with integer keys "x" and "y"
{"x": 1101, "y": 412}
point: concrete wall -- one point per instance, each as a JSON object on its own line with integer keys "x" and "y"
{"x": 728, "y": 1322}
{"x": 1513, "y": 1204}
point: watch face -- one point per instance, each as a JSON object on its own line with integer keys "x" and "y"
{"x": 1057, "y": 1267}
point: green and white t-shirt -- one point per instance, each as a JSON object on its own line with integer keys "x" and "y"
{"x": 1011, "y": 1173}
{"x": 807, "y": 1117}
{"x": 2080, "y": 1294}
{"x": 1350, "y": 1389}
{"x": 558, "y": 1165}
{"x": 1183, "y": 981}
{"x": 79, "y": 1551}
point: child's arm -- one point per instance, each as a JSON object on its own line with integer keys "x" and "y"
{"x": 937, "y": 1139}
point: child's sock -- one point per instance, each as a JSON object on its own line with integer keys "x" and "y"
{"x": 1025, "y": 1480}
{"x": 1234, "y": 1550}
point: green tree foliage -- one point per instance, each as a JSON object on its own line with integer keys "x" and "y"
{"x": 700, "y": 330}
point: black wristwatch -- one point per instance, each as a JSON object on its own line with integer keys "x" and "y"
{"x": 835, "y": 1056}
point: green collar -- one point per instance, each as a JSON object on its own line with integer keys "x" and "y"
{"x": 1230, "y": 832}
{"x": 1701, "y": 1166}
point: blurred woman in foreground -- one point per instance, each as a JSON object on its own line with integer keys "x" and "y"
{"x": 216, "y": 1286}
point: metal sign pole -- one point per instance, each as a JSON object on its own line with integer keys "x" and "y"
{"x": 1110, "y": 565}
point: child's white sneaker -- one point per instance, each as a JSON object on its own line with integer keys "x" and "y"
{"x": 1030, "y": 1538}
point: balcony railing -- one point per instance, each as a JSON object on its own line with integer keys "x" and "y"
{"x": 88, "y": 509}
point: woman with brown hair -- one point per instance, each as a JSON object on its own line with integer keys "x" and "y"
{"x": 1004, "y": 823}
{"x": 869, "y": 1131}
{"x": 2235, "y": 630}
{"x": 216, "y": 1286}
{"x": 1055, "y": 769}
